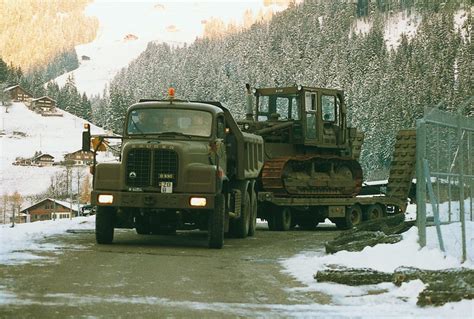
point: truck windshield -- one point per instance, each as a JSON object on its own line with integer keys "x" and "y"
{"x": 160, "y": 121}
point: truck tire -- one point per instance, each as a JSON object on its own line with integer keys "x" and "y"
{"x": 353, "y": 217}
{"x": 215, "y": 229}
{"x": 253, "y": 214}
{"x": 283, "y": 219}
{"x": 104, "y": 225}
{"x": 240, "y": 226}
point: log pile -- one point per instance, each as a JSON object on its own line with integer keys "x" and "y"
{"x": 385, "y": 230}
{"x": 449, "y": 285}
{"x": 444, "y": 286}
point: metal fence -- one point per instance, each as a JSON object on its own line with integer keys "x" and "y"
{"x": 445, "y": 175}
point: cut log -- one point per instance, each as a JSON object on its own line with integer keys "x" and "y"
{"x": 353, "y": 276}
{"x": 359, "y": 240}
{"x": 394, "y": 224}
{"x": 438, "y": 293}
{"x": 447, "y": 285}
{"x": 404, "y": 274}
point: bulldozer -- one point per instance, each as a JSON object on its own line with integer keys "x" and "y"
{"x": 309, "y": 148}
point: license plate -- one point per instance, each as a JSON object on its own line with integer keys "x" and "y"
{"x": 166, "y": 187}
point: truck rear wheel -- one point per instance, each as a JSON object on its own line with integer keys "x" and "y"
{"x": 104, "y": 225}
{"x": 240, "y": 226}
{"x": 253, "y": 214}
{"x": 215, "y": 229}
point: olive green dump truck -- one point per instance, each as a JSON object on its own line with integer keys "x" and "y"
{"x": 183, "y": 165}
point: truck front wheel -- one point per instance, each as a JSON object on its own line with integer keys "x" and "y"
{"x": 104, "y": 225}
{"x": 215, "y": 230}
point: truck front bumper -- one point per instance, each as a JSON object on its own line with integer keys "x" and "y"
{"x": 153, "y": 200}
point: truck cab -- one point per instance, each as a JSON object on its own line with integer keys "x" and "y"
{"x": 183, "y": 165}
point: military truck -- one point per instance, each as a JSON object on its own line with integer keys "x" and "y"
{"x": 183, "y": 165}
{"x": 311, "y": 169}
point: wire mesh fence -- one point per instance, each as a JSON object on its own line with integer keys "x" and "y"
{"x": 445, "y": 175}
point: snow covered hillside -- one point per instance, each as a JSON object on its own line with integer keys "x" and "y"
{"x": 22, "y": 133}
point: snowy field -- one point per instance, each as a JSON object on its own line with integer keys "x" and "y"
{"x": 22, "y": 133}
{"x": 22, "y": 244}
{"x": 391, "y": 301}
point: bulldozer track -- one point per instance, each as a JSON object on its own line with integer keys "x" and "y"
{"x": 275, "y": 179}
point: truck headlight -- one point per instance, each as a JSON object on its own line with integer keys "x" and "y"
{"x": 105, "y": 199}
{"x": 198, "y": 201}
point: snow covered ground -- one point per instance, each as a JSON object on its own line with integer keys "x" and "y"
{"x": 387, "y": 300}
{"x": 22, "y": 133}
{"x": 22, "y": 243}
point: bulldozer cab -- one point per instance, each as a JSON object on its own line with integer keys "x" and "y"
{"x": 302, "y": 115}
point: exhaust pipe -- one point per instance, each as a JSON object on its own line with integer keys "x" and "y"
{"x": 249, "y": 106}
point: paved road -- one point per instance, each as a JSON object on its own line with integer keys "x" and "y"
{"x": 161, "y": 276}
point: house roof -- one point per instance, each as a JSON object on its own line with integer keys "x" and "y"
{"x": 43, "y": 98}
{"x": 59, "y": 202}
{"x": 10, "y": 88}
{"x": 42, "y": 155}
{"x": 14, "y": 86}
{"x": 78, "y": 151}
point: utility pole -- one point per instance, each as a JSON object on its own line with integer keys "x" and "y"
{"x": 78, "y": 192}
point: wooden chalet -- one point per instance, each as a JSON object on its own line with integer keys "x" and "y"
{"x": 18, "y": 94}
{"x": 79, "y": 157}
{"x": 48, "y": 209}
{"x": 43, "y": 160}
{"x": 43, "y": 104}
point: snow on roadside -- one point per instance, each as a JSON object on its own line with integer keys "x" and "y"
{"x": 20, "y": 243}
{"x": 387, "y": 300}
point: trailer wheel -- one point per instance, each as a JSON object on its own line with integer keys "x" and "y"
{"x": 215, "y": 230}
{"x": 253, "y": 214}
{"x": 104, "y": 225}
{"x": 353, "y": 217}
{"x": 283, "y": 219}
{"x": 308, "y": 224}
{"x": 374, "y": 211}
{"x": 271, "y": 223}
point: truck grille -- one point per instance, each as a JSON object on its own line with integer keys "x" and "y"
{"x": 147, "y": 168}
{"x": 165, "y": 167}
{"x": 138, "y": 168}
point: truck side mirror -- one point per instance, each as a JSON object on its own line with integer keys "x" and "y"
{"x": 86, "y": 138}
